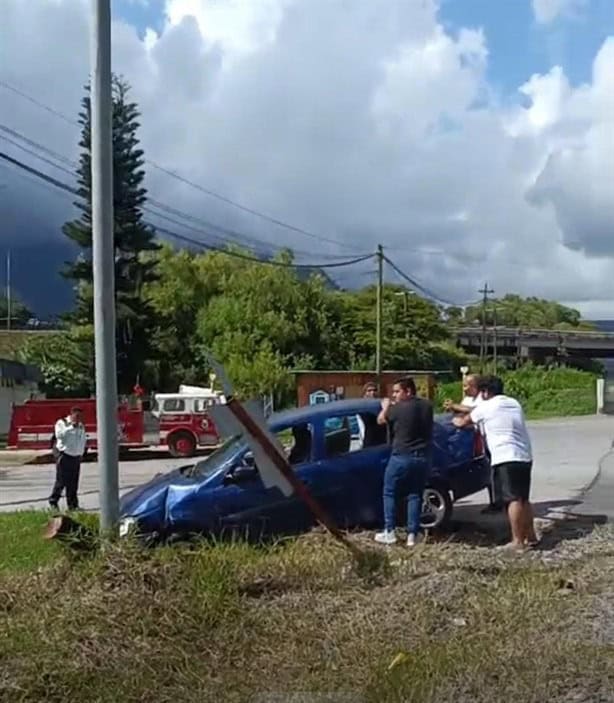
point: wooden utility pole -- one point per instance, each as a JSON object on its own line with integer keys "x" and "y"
{"x": 494, "y": 337}
{"x": 486, "y": 291}
{"x": 9, "y": 301}
{"x": 378, "y": 319}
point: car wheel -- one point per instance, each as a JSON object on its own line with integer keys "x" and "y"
{"x": 182, "y": 444}
{"x": 436, "y": 506}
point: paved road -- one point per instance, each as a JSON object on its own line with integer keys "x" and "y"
{"x": 567, "y": 459}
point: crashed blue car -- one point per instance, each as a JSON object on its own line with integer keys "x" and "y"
{"x": 224, "y": 495}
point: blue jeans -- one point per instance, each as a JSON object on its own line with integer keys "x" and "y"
{"x": 405, "y": 475}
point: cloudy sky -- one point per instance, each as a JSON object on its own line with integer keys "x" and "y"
{"x": 474, "y": 139}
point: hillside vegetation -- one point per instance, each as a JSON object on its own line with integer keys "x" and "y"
{"x": 543, "y": 392}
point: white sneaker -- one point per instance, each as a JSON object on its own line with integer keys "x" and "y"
{"x": 386, "y": 537}
{"x": 412, "y": 539}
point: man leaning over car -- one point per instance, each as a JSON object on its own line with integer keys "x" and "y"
{"x": 503, "y": 424}
{"x": 472, "y": 399}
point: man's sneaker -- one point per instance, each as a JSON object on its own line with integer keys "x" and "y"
{"x": 412, "y": 539}
{"x": 53, "y": 505}
{"x": 386, "y": 537}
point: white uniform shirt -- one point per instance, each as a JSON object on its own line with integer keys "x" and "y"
{"x": 501, "y": 420}
{"x": 70, "y": 439}
{"x": 470, "y": 402}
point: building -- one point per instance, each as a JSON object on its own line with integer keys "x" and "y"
{"x": 18, "y": 383}
{"x": 322, "y": 386}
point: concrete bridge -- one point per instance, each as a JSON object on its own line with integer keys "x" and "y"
{"x": 536, "y": 344}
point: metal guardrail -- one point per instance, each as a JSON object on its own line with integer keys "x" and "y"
{"x": 526, "y": 333}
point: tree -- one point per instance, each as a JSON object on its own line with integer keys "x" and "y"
{"x": 65, "y": 360}
{"x": 266, "y": 321}
{"x": 412, "y": 328}
{"x": 515, "y": 311}
{"x": 20, "y": 314}
{"x": 133, "y": 239}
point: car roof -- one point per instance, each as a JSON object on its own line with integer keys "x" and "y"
{"x": 308, "y": 413}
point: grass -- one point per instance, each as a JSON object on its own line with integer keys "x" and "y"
{"x": 231, "y": 622}
{"x": 21, "y": 546}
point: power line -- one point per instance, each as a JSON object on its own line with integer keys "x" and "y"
{"x": 425, "y": 291}
{"x": 270, "y": 262}
{"x": 31, "y": 152}
{"x": 36, "y": 145}
{"x": 245, "y": 240}
{"x": 190, "y": 240}
{"x": 187, "y": 181}
{"x": 39, "y": 174}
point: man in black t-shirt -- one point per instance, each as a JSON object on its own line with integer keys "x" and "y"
{"x": 411, "y": 423}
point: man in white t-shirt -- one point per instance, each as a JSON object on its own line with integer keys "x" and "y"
{"x": 472, "y": 399}
{"x": 501, "y": 420}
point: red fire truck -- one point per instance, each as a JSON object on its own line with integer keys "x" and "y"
{"x": 179, "y": 421}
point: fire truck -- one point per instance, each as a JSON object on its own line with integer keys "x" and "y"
{"x": 179, "y": 421}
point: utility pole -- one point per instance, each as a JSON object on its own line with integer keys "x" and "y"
{"x": 483, "y": 341}
{"x": 378, "y": 323}
{"x": 405, "y": 295}
{"x": 103, "y": 251}
{"x": 9, "y": 301}
{"x": 494, "y": 337}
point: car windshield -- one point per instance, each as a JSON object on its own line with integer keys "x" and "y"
{"x": 208, "y": 466}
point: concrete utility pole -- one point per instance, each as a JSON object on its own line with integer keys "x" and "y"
{"x": 104, "y": 264}
{"x": 378, "y": 322}
{"x": 483, "y": 341}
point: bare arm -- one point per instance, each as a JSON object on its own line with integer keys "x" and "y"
{"x": 459, "y": 408}
{"x": 60, "y": 429}
{"x": 463, "y": 420}
{"x": 382, "y": 418}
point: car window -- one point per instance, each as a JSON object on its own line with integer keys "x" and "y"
{"x": 297, "y": 442}
{"x": 173, "y": 405}
{"x": 350, "y": 433}
{"x": 228, "y": 449}
{"x": 202, "y": 404}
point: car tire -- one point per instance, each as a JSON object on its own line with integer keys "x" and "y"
{"x": 181, "y": 444}
{"x": 436, "y": 506}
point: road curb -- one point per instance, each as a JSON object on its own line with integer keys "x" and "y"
{"x": 12, "y": 459}
{"x": 591, "y": 484}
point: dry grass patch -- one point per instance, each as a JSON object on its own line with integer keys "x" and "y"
{"x": 237, "y": 623}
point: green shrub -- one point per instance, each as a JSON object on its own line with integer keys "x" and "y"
{"x": 543, "y": 392}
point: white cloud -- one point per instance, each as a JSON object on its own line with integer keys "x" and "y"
{"x": 547, "y": 11}
{"x": 365, "y": 121}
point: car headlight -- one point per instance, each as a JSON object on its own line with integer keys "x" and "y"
{"x": 126, "y": 526}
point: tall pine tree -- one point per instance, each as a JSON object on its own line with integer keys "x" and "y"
{"x": 132, "y": 239}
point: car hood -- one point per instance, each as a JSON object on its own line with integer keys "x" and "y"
{"x": 149, "y": 496}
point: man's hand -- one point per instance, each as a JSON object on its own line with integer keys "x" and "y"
{"x": 381, "y": 418}
{"x": 447, "y": 405}
{"x": 462, "y": 420}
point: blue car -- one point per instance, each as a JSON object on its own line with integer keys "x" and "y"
{"x": 224, "y": 495}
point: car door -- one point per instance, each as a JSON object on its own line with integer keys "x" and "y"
{"x": 349, "y": 477}
{"x": 465, "y": 468}
{"x": 245, "y": 505}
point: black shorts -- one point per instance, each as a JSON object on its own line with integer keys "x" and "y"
{"x": 515, "y": 478}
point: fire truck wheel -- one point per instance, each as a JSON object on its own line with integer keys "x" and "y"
{"x": 182, "y": 444}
